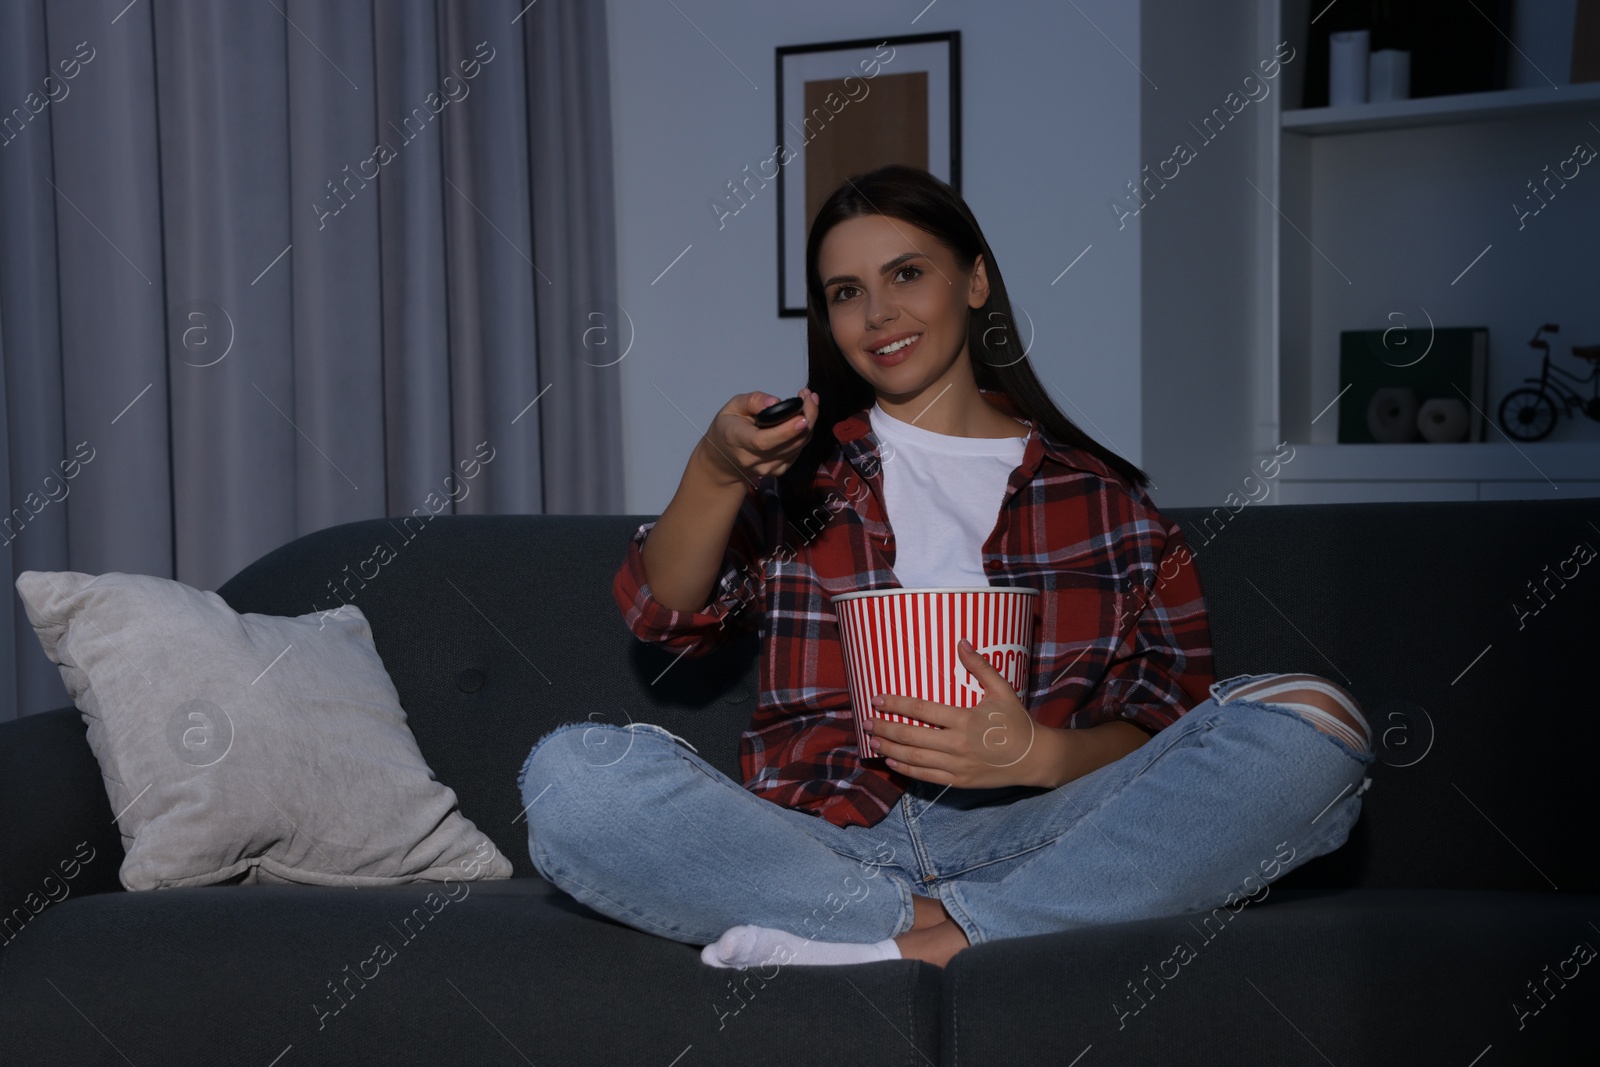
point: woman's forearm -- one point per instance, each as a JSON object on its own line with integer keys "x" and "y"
{"x": 1071, "y": 754}
{"x": 684, "y": 549}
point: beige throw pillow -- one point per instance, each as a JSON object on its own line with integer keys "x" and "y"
{"x": 248, "y": 748}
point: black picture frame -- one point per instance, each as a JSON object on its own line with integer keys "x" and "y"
{"x": 937, "y": 55}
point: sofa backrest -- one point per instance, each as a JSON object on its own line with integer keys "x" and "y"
{"x": 495, "y": 629}
{"x": 1483, "y": 711}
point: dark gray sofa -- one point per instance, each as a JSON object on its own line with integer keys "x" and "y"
{"x": 1443, "y": 932}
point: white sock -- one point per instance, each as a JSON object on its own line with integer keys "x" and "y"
{"x": 753, "y": 946}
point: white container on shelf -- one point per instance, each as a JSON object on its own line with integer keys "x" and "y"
{"x": 1347, "y": 67}
{"x": 1389, "y": 76}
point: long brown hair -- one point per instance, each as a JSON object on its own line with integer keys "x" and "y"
{"x": 993, "y": 343}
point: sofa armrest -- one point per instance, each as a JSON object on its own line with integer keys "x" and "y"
{"x": 58, "y": 835}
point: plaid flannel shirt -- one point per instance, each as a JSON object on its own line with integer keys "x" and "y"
{"x": 1120, "y": 632}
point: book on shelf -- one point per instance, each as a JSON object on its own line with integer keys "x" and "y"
{"x": 1448, "y": 362}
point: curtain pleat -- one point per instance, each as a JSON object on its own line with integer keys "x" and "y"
{"x": 416, "y": 376}
{"x": 34, "y": 439}
{"x": 287, "y": 265}
{"x": 335, "y": 280}
{"x": 583, "y": 333}
{"x": 489, "y": 267}
{"x": 222, "y": 76}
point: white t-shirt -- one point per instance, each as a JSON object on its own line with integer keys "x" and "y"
{"x": 943, "y": 496}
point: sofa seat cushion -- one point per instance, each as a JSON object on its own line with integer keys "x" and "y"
{"x": 1362, "y": 976}
{"x": 225, "y": 974}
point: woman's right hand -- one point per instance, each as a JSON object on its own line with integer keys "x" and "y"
{"x": 737, "y": 451}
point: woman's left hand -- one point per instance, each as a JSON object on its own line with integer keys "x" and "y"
{"x": 994, "y": 744}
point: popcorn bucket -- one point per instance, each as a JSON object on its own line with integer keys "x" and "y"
{"x": 903, "y": 642}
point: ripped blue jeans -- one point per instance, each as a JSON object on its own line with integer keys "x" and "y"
{"x": 1208, "y": 811}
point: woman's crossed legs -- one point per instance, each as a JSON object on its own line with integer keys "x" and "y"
{"x": 641, "y": 829}
{"x": 1232, "y": 796}
{"x": 1235, "y": 793}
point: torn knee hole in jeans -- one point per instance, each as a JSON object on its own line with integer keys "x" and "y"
{"x": 1308, "y": 697}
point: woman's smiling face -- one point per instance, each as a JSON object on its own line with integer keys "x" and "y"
{"x": 885, "y": 280}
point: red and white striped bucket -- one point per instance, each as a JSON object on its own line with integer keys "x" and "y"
{"x": 903, "y": 642}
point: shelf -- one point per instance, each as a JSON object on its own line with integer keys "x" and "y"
{"x": 1559, "y": 461}
{"x": 1435, "y": 110}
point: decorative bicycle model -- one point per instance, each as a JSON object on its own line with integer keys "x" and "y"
{"x": 1530, "y": 414}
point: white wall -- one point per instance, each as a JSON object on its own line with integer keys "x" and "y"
{"x": 1050, "y": 132}
{"x": 1206, "y": 308}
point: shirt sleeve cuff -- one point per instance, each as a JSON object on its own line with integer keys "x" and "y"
{"x": 692, "y": 632}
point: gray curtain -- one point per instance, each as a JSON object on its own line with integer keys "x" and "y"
{"x": 268, "y": 266}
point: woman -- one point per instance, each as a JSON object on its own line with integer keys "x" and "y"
{"x": 1124, "y": 784}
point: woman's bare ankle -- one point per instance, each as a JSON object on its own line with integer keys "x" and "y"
{"x": 934, "y": 937}
{"x": 933, "y": 944}
{"x": 928, "y": 912}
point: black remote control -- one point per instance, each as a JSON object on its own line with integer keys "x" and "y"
{"x": 773, "y": 414}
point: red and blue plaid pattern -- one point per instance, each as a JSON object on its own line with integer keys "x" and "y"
{"x": 1121, "y": 630}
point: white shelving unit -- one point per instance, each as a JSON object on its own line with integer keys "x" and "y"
{"x": 1338, "y": 474}
{"x": 1379, "y": 210}
{"x": 1438, "y": 110}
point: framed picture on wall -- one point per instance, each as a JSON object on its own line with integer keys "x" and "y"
{"x": 847, "y": 107}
